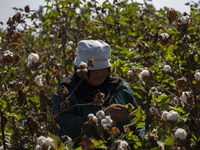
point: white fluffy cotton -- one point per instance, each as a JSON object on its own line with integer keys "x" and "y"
{"x": 153, "y": 111}
{"x": 33, "y": 58}
{"x": 144, "y": 73}
{"x": 172, "y": 115}
{"x": 38, "y": 147}
{"x": 82, "y": 64}
{"x": 180, "y": 134}
{"x": 106, "y": 122}
{"x": 48, "y": 141}
{"x": 184, "y": 95}
{"x": 164, "y": 36}
{"x": 8, "y": 53}
{"x": 197, "y": 76}
{"x": 38, "y": 80}
{"x": 123, "y": 145}
{"x": 100, "y": 114}
{"x": 41, "y": 140}
{"x": 164, "y": 115}
{"x": 167, "y": 68}
{"x": 185, "y": 19}
{"x": 90, "y": 116}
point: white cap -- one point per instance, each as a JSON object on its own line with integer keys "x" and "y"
{"x": 95, "y": 49}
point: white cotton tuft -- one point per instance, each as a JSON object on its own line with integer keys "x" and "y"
{"x": 185, "y": 19}
{"x": 164, "y": 36}
{"x": 130, "y": 73}
{"x": 144, "y": 73}
{"x": 41, "y": 140}
{"x": 33, "y": 58}
{"x": 167, "y": 68}
{"x": 184, "y": 95}
{"x": 51, "y": 36}
{"x": 100, "y": 114}
{"x": 153, "y": 111}
{"x": 82, "y": 64}
{"x": 69, "y": 48}
{"x": 8, "y": 53}
{"x": 106, "y": 123}
{"x": 90, "y": 116}
{"x": 70, "y": 43}
{"x": 197, "y": 76}
{"x": 38, "y": 80}
{"x": 108, "y": 119}
{"x": 164, "y": 115}
{"x": 38, "y": 147}
{"x": 95, "y": 119}
{"x": 48, "y": 141}
{"x": 180, "y": 134}
{"x": 123, "y": 144}
{"x": 172, "y": 115}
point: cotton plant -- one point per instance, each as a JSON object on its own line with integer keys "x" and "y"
{"x": 8, "y": 53}
{"x": 38, "y": 80}
{"x": 170, "y": 116}
{"x": 44, "y": 143}
{"x": 123, "y": 145}
{"x": 180, "y": 134}
{"x": 167, "y": 68}
{"x": 185, "y": 19}
{"x": 164, "y": 36}
{"x": 197, "y": 76}
{"x": 33, "y": 58}
{"x": 153, "y": 110}
{"x": 184, "y": 95}
{"x": 105, "y": 121}
{"x": 144, "y": 76}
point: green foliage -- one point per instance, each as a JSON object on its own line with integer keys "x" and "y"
{"x": 134, "y": 33}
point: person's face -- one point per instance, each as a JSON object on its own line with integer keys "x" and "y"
{"x": 97, "y": 77}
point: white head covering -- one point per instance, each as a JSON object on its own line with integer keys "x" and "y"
{"x": 95, "y": 49}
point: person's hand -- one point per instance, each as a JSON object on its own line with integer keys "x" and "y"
{"x": 117, "y": 112}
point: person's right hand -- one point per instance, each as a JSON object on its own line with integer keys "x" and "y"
{"x": 117, "y": 112}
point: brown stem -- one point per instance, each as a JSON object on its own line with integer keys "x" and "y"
{"x": 2, "y": 129}
{"x": 72, "y": 91}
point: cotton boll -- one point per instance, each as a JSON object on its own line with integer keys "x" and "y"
{"x": 164, "y": 115}
{"x": 167, "y": 68}
{"x": 83, "y": 65}
{"x": 95, "y": 119}
{"x": 184, "y": 96}
{"x": 38, "y": 147}
{"x": 172, "y": 115}
{"x": 41, "y": 140}
{"x": 48, "y": 141}
{"x": 180, "y": 134}
{"x": 153, "y": 110}
{"x": 100, "y": 114}
{"x": 38, "y": 80}
{"x": 33, "y": 58}
{"x": 7, "y": 53}
{"x": 123, "y": 144}
{"x": 90, "y": 116}
{"x": 185, "y": 19}
{"x": 197, "y": 76}
{"x": 143, "y": 73}
{"x": 164, "y": 36}
{"x": 70, "y": 43}
{"x": 108, "y": 119}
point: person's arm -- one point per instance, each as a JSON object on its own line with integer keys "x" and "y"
{"x": 69, "y": 121}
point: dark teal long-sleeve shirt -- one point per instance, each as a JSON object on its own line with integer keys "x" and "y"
{"x": 72, "y": 120}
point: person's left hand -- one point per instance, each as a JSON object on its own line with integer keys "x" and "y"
{"x": 117, "y": 112}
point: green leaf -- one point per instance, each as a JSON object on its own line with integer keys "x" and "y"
{"x": 170, "y": 141}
